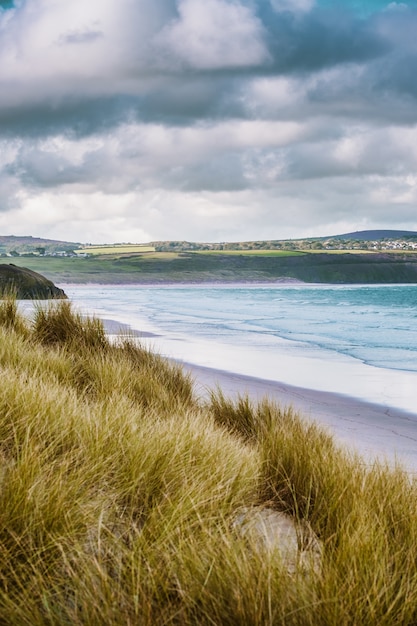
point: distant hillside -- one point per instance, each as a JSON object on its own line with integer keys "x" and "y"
{"x": 375, "y": 235}
{"x": 28, "y": 244}
{"x": 198, "y": 267}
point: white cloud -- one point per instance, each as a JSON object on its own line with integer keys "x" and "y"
{"x": 214, "y": 34}
{"x": 51, "y": 50}
{"x": 276, "y": 98}
{"x": 37, "y": 41}
{"x": 396, "y": 190}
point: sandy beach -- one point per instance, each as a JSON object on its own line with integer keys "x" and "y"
{"x": 376, "y": 431}
{"x": 373, "y": 430}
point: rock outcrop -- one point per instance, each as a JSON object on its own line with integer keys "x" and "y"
{"x": 26, "y": 284}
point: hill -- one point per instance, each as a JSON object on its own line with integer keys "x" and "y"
{"x": 27, "y": 284}
{"x": 38, "y": 246}
{"x": 365, "y": 239}
{"x": 375, "y": 235}
{"x": 29, "y": 244}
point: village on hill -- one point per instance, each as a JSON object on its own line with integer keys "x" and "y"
{"x": 14, "y": 246}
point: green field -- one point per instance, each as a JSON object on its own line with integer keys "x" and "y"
{"x": 341, "y": 251}
{"x": 230, "y": 266}
{"x": 280, "y": 253}
{"x": 116, "y": 249}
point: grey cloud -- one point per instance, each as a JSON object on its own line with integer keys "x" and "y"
{"x": 191, "y": 98}
{"x": 320, "y": 39}
{"x": 356, "y": 68}
{"x": 135, "y": 110}
{"x": 397, "y": 76}
{"x": 9, "y": 192}
{"x": 222, "y": 173}
{"x": 43, "y": 169}
{"x": 80, "y": 37}
{"x": 314, "y": 210}
{"x": 72, "y": 115}
{"x": 174, "y": 102}
{"x": 140, "y": 87}
{"x": 347, "y": 154}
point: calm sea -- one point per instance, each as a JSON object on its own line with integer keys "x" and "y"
{"x": 356, "y": 340}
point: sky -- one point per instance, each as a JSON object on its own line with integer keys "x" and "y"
{"x": 207, "y": 120}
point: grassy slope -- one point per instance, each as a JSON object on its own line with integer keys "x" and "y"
{"x": 120, "y": 489}
{"x": 200, "y": 267}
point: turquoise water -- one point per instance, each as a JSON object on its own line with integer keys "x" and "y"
{"x": 355, "y": 340}
{"x": 375, "y": 324}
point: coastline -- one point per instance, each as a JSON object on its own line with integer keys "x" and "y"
{"x": 373, "y": 430}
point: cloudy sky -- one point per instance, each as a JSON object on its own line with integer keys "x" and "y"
{"x": 207, "y": 120}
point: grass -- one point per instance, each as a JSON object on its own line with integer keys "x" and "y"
{"x": 267, "y": 253}
{"x": 116, "y": 249}
{"x": 120, "y": 490}
{"x": 227, "y": 267}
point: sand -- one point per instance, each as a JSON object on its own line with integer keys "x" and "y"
{"x": 373, "y": 430}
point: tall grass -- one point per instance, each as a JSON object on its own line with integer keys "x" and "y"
{"x": 120, "y": 491}
{"x": 9, "y": 315}
{"x": 59, "y": 324}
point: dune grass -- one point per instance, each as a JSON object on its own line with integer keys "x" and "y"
{"x": 120, "y": 490}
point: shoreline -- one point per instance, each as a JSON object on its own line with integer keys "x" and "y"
{"x": 373, "y": 430}
{"x": 221, "y": 282}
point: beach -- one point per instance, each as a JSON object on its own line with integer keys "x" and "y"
{"x": 369, "y": 408}
{"x": 373, "y": 430}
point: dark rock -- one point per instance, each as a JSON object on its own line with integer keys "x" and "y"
{"x": 26, "y": 284}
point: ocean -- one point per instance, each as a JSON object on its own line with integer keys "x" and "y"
{"x": 355, "y": 340}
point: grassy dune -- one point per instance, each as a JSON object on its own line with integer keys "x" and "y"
{"x": 120, "y": 491}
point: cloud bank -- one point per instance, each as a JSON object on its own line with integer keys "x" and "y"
{"x": 136, "y": 120}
